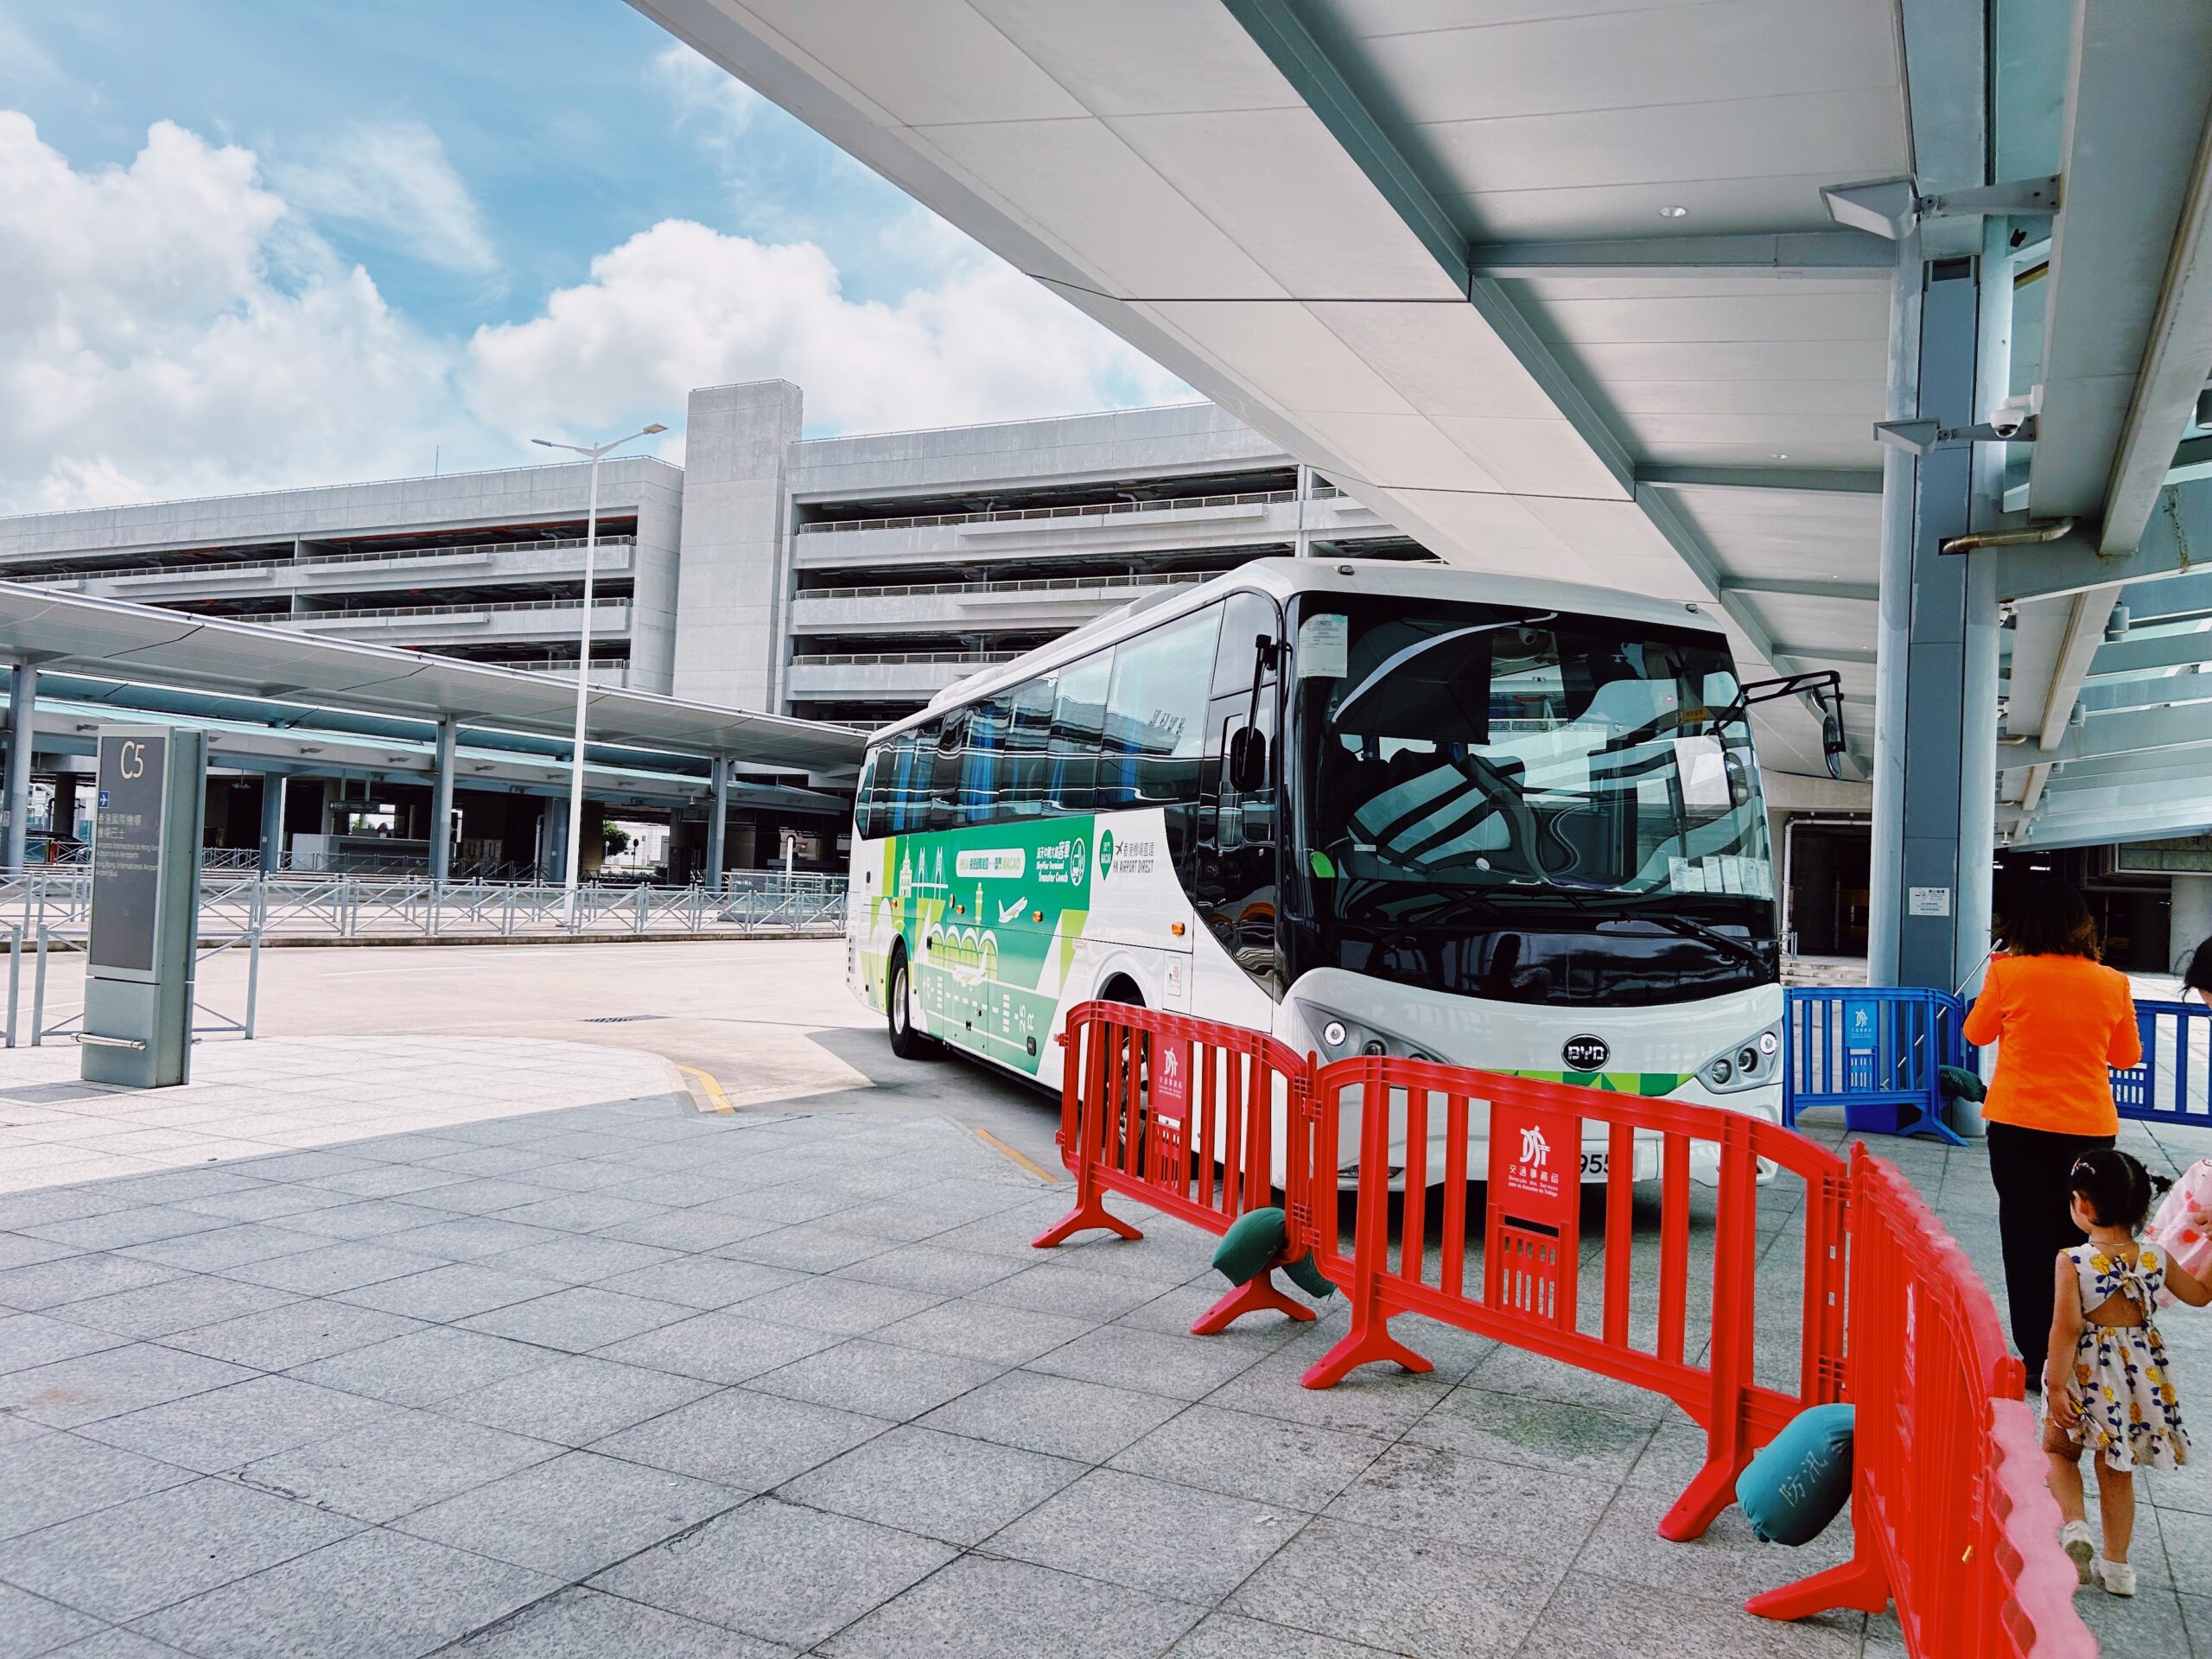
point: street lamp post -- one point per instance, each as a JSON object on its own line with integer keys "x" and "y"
{"x": 594, "y": 452}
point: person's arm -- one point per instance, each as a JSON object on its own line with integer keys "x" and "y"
{"x": 2065, "y": 1332}
{"x": 2185, "y": 1285}
{"x": 1985, "y": 1021}
{"x": 2125, "y": 1050}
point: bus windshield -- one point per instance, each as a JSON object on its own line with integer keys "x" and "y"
{"x": 1483, "y": 766}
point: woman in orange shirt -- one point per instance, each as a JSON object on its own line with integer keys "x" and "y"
{"x": 2061, "y": 1020}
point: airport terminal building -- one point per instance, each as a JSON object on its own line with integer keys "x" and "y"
{"x": 845, "y": 579}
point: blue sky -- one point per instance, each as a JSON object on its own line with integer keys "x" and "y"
{"x": 454, "y": 221}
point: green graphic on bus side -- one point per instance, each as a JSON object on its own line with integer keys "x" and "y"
{"x": 1649, "y": 1085}
{"x": 990, "y": 917}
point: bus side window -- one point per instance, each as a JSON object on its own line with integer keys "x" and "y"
{"x": 1232, "y": 880}
{"x": 1078, "y": 720}
{"x": 983, "y": 761}
{"x": 943, "y": 762}
{"x": 1156, "y": 714}
{"x": 1026, "y": 783}
{"x": 910, "y": 800}
{"x": 864, "y": 797}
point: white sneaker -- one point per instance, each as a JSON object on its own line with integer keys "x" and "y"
{"x": 2074, "y": 1538}
{"x": 2118, "y": 1578}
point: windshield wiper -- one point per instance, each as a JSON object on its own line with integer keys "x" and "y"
{"x": 1683, "y": 927}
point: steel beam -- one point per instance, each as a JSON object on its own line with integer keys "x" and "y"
{"x": 442, "y": 801}
{"x": 2176, "y": 597}
{"x": 15, "y": 799}
{"x": 2178, "y": 537}
{"x": 1815, "y": 254}
{"x": 271, "y": 858}
{"x": 2140, "y": 733}
{"x": 2137, "y": 98}
{"x": 1859, "y": 654}
{"x": 2145, "y": 692}
{"x": 2176, "y": 363}
{"x": 1863, "y": 592}
{"x": 2100, "y": 826}
{"x": 2138, "y": 655}
{"x": 1803, "y": 480}
{"x": 718, "y": 825}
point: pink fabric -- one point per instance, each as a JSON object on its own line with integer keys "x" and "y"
{"x": 2183, "y": 1227}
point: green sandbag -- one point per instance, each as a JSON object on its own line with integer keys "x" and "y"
{"x": 1959, "y": 1084}
{"x": 1306, "y": 1274}
{"x": 1255, "y": 1243}
{"x": 1250, "y": 1246}
{"x": 1801, "y": 1480}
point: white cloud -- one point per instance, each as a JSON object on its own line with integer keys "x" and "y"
{"x": 166, "y": 329}
{"x": 700, "y": 89}
{"x": 681, "y": 305}
{"x": 393, "y": 176}
{"x": 172, "y": 328}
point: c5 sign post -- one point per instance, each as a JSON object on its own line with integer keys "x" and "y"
{"x": 146, "y": 832}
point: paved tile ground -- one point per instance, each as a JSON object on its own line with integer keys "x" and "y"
{"x": 626, "y": 1377}
{"x": 247, "y": 1099}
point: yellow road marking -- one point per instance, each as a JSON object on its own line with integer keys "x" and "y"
{"x": 1005, "y": 1151}
{"x": 716, "y": 1100}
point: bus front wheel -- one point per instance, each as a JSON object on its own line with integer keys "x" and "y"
{"x": 906, "y": 1042}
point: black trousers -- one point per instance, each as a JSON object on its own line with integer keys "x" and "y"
{"x": 2028, "y": 1169}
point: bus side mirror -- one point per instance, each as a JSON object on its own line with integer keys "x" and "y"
{"x": 1248, "y": 760}
{"x": 1833, "y": 746}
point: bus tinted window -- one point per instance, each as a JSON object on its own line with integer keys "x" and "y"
{"x": 865, "y": 807}
{"x": 903, "y": 781}
{"x": 1027, "y": 772}
{"x": 1155, "y": 713}
{"x": 1078, "y": 721}
{"x": 983, "y": 761}
{"x": 944, "y": 764}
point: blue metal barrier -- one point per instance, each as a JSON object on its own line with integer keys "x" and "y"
{"x": 2174, "y": 1082}
{"x": 1873, "y": 1052}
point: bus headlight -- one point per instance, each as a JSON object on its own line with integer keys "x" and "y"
{"x": 1333, "y": 1034}
{"x": 1748, "y": 1064}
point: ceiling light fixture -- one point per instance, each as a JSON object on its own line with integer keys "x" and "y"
{"x": 1673, "y": 213}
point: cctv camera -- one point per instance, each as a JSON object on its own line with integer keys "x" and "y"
{"x": 2015, "y": 415}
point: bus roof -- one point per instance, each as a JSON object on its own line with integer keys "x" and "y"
{"x": 1281, "y": 578}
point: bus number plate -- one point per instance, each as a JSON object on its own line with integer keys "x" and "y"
{"x": 1594, "y": 1164}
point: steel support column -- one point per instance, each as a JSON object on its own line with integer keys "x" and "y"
{"x": 1935, "y": 737}
{"x": 23, "y": 704}
{"x": 272, "y": 822}
{"x": 718, "y": 825}
{"x": 442, "y": 803}
{"x": 553, "y": 840}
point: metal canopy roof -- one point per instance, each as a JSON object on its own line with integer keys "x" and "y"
{"x": 1552, "y": 286}
{"x": 1422, "y": 248}
{"x": 113, "y": 639}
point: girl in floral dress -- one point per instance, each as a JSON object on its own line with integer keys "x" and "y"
{"x": 2105, "y": 1382}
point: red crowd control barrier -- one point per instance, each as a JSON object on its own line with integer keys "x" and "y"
{"x": 1949, "y": 1513}
{"x": 1532, "y": 1292}
{"x": 1179, "y": 1114}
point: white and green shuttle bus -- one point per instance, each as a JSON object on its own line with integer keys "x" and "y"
{"x": 1368, "y": 807}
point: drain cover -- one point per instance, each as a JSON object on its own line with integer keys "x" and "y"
{"x": 620, "y": 1019}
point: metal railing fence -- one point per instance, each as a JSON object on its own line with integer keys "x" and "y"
{"x": 1093, "y": 510}
{"x": 1108, "y": 585}
{"x": 315, "y": 560}
{"x": 298, "y": 905}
